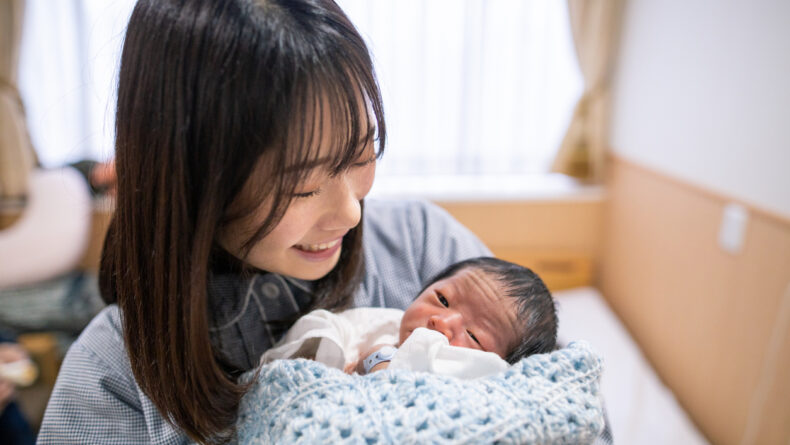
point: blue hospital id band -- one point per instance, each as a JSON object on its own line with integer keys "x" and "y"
{"x": 384, "y": 354}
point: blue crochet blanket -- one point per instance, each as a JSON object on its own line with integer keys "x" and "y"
{"x": 546, "y": 398}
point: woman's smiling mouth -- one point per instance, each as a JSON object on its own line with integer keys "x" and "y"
{"x": 319, "y": 252}
{"x": 318, "y": 247}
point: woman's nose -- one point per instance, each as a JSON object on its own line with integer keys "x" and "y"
{"x": 345, "y": 209}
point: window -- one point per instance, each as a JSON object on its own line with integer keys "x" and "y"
{"x": 68, "y": 76}
{"x": 471, "y": 87}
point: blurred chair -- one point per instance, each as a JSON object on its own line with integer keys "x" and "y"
{"x": 52, "y": 231}
{"x": 45, "y": 215}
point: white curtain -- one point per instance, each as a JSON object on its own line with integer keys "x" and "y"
{"x": 68, "y": 75}
{"x": 595, "y": 26}
{"x": 471, "y": 87}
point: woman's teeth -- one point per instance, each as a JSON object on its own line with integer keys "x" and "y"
{"x": 317, "y": 247}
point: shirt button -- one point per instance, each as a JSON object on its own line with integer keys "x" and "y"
{"x": 270, "y": 290}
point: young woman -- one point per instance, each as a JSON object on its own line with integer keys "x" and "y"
{"x": 247, "y": 137}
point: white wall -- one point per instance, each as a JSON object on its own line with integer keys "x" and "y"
{"x": 702, "y": 92}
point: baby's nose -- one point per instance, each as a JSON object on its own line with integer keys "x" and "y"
{"x": 445, "y": 324}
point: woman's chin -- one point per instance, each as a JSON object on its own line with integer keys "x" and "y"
{"x": 311, "y": 267}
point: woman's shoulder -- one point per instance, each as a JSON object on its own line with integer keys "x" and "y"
{"x": 99, "y": 351}
{"x": 419, "y": 228}
{"x": 103, "y": 336}
{"x": 96, "y": 399}
{"x": 415, "y": 224}
{"x": 106, "y": 322}
{"x": 388, "y": 211}
{"x": 405, "y": 244}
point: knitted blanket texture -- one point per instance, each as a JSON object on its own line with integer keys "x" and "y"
{"x": 545, "y": 398}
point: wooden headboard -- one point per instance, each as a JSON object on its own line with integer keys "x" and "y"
{"x": 559, "y": 238}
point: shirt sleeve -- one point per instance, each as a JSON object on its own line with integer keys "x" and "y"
{"x": 406, "y": 243}
{"x": 444, "y": 241}
{"x": 96, "y": 400}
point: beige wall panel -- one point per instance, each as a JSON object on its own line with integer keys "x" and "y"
{"x": 763, "y": 296}
{"x": 704, "y": 317}
{"x": 565, "y": 224}
{"x": 772, "y": 421}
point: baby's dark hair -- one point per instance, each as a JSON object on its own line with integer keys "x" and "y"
{"x": 535, "y": 307}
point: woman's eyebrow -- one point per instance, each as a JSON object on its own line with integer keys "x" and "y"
{"x": 309, "y": 165}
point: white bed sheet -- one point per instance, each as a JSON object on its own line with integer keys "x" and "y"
{"x": 641, "y": 409}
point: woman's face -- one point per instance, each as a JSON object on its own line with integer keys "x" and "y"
{"x": 307, "y": 241}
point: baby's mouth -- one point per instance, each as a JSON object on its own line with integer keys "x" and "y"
{"x": 318, "y": 247}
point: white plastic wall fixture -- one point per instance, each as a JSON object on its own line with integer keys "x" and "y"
{"x": 733, "y": 228}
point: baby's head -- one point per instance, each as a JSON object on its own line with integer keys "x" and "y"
{"x": 489, "y": 304}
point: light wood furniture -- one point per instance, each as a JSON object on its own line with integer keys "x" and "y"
{"x": 559, "y": 239}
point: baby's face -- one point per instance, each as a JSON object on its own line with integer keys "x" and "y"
{"x": 470, "y": 309}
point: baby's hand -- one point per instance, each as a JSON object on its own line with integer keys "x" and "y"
{"x": 351, "y": 367}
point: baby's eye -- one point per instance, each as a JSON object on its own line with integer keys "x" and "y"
{"x": 442, "y": 300}
{"x": 474, "y": 338}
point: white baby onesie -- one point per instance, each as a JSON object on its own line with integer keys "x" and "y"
{"x": 337, "y": 339}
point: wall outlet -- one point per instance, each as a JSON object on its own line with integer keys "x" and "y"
{"x": 733, "y": 227}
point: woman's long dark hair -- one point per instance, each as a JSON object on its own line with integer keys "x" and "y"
{"x": 213, "y": 95}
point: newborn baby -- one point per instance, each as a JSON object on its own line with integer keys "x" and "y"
{"x": 473, "y": 319}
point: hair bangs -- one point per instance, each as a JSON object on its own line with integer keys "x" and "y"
{"x": 338, "y": 121}
{"x": 331, "y": 120}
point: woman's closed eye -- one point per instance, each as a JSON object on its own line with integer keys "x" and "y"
{"x": 317, "y": 191}
{"x": 364, "y": 163}
{"x": 307, "y": 194}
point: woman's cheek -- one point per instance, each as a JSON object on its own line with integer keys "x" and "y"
{"x": 293, "y": 227}
{"x": 366, "y": 176}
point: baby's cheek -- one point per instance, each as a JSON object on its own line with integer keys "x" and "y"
{"x": 406, "y": 324}
{"x": 403, "y": 334}
{"x": 460, "y": 343}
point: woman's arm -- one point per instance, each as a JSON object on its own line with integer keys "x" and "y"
{"x": 95, "y": 399}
